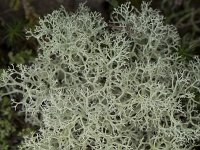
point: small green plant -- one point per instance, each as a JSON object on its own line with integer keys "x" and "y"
{"x": 14, "y": 33}
{"x": 185, "y": 15}
{"x": 21, "y": 57}
{"x": 188, "y": 46}
{"x": 12, "y": 126}
{"x": 14, "y": 4}
{"x": 6, "y": 126}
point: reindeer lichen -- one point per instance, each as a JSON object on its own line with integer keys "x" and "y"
{"x": 107, "y": 86}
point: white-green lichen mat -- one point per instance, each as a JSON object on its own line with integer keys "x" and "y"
{"x": 107, "y": 86}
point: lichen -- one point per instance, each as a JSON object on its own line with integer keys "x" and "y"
{"x": 112, "y": 86}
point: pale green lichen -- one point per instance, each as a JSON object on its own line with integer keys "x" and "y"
{"x": 108, "y": 86}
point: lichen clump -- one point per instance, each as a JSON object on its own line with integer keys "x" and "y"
{"x": 107, "y": 86}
